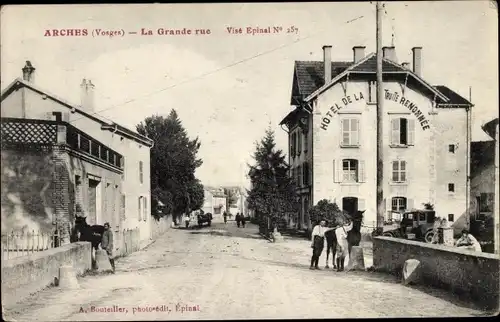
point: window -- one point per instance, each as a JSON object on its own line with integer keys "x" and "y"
{"x": 350, "y": 132}
{"x": 299, "y": 142}
{"x": 293, "y": 140}
{"x": 402, "y": 131}
{"x": 451, "y": 187}
{"x": 306, "y": 143}
{"x": 451, "y": 217}
{"x": 349, "y": 170}
{"x": 372, "y": 92}
{"x": 399, "y": 204}
{"x": 451, "y": 148}
{"x": 305, "y": 176}
{"x": 486, "y": 202}
{"x": 299, "y": 175}
{"x": 141, "y": 174}
{"x": 399, "y": 171}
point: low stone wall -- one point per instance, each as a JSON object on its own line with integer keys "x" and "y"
{"x": 462, "y": 272}
{"x": 25, "y": 275}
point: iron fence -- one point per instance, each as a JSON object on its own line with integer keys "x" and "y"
{"x": 24, "y": 243}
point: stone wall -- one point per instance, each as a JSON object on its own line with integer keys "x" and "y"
{"x": 463, "y": 272}
{"x": 23, "y": 276}
{"x": 159, "y": 227}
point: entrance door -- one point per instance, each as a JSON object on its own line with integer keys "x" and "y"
{"x": 350, "y": 205}
{"x": 93, "y": 202}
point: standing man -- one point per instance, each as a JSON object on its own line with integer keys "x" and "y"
{"x": 225, "y": 217}
{"x": 342, "y": 244}
{"x": 318, "y": 242}
{"x": 107, "y": 244}
{"x": 242, "y": 217}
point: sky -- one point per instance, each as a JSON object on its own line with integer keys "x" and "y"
{"x": 228, "y": 88}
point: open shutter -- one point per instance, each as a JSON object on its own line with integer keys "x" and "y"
{"x": 409, "y": 204}
{"x": 394, "y": 134}
{"x": 361, "y": 171}
{"x": 145, "y": 209}
{"x": 336, "y": 173}
{"x": 361, "y": 204}
{"x": 356, "y": 133}
{"x": 139, "y": 209}
{"x": 411, "y": 132}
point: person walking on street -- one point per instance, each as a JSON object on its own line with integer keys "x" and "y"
{"x": 107, "y": 244}
{"x": 187, "y": 219}
{"x": 225, "y": 217}
{"x": 318, "y": 242}
{"x": 242, "y": 220}
{"x": 238, "y": 219}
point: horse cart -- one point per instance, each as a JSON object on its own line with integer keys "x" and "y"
{"x": 415, "y": 224}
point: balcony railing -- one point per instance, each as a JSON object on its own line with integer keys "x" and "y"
{"x": 17, "y": 132}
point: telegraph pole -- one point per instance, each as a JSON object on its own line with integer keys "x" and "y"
{"x": 380, "y": 101}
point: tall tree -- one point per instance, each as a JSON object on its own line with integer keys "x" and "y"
{"x": 173, "y": 164}
{"x": 272, "y": 195}
{"x": 231, "y": 197}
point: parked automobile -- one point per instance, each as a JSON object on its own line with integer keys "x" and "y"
{"x": 205, "y": 218}
{"x": 417, "y": 223}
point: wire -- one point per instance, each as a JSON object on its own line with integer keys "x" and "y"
{"x": 210, "y": 73}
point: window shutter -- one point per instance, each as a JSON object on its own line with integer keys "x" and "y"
{"x": 394, "y": 131}
{"x": 336, "y": 165}
{"x": 409, "y": 204}
{"x": 361, "y": 174}
{"x": 361, "y": 204}
{"x": 411, "y": 132}
{"x": 145, "y": 209}
{"x": 139, "y": 210}
{"x": 356, "y": 139}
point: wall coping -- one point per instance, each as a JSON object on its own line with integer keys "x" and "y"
{"x": 443, "y": 248}
{"x": 10, "y": 263}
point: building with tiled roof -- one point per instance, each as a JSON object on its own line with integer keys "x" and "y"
{"x": 332, "y": 136}
{"x": 69, "y": 161}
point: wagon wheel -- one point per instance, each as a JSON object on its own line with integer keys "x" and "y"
{"x": 428, "y": 236}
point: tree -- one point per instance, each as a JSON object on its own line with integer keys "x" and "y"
{"x": 173, "y": 164}
{"x": 272, "y": 195}
{"x": 328, "y": 211}
{"x": 231, "y": 198}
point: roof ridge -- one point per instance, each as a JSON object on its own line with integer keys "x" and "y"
{"x": 68, "y": 103}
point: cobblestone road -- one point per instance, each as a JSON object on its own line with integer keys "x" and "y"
{"x": 223, "y": 272}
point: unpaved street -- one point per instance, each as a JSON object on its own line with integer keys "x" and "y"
{"x": 222, "y": 272}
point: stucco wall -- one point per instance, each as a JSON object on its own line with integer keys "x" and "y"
{"x": 25, "y": 275}
{"x": 463, "y": 272}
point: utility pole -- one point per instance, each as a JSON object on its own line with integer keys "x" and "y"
{"x": 380, "y": 103}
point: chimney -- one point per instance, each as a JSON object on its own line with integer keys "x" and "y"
{"x": 417, "y": 60}
{"x": 405, "y": 64}
{"x": 327, "y": 61}
{"x": 29, "y": 72}
{"x": 359, "y": 53}
{"x": 389, "y": 53}
{"x": 87, "y": 95}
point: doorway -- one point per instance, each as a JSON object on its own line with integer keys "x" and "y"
{"x": 350, "y": 205}
{"x": 94, "y": 198}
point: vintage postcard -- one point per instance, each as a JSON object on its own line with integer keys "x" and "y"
{"x": 249, "y": 160}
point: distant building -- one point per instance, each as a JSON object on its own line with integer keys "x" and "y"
{"x": 58, "y": 157}
{"x": 332, "y": 137}
{"x": 215, "y": 200}
{"x": 240, "y": 205}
